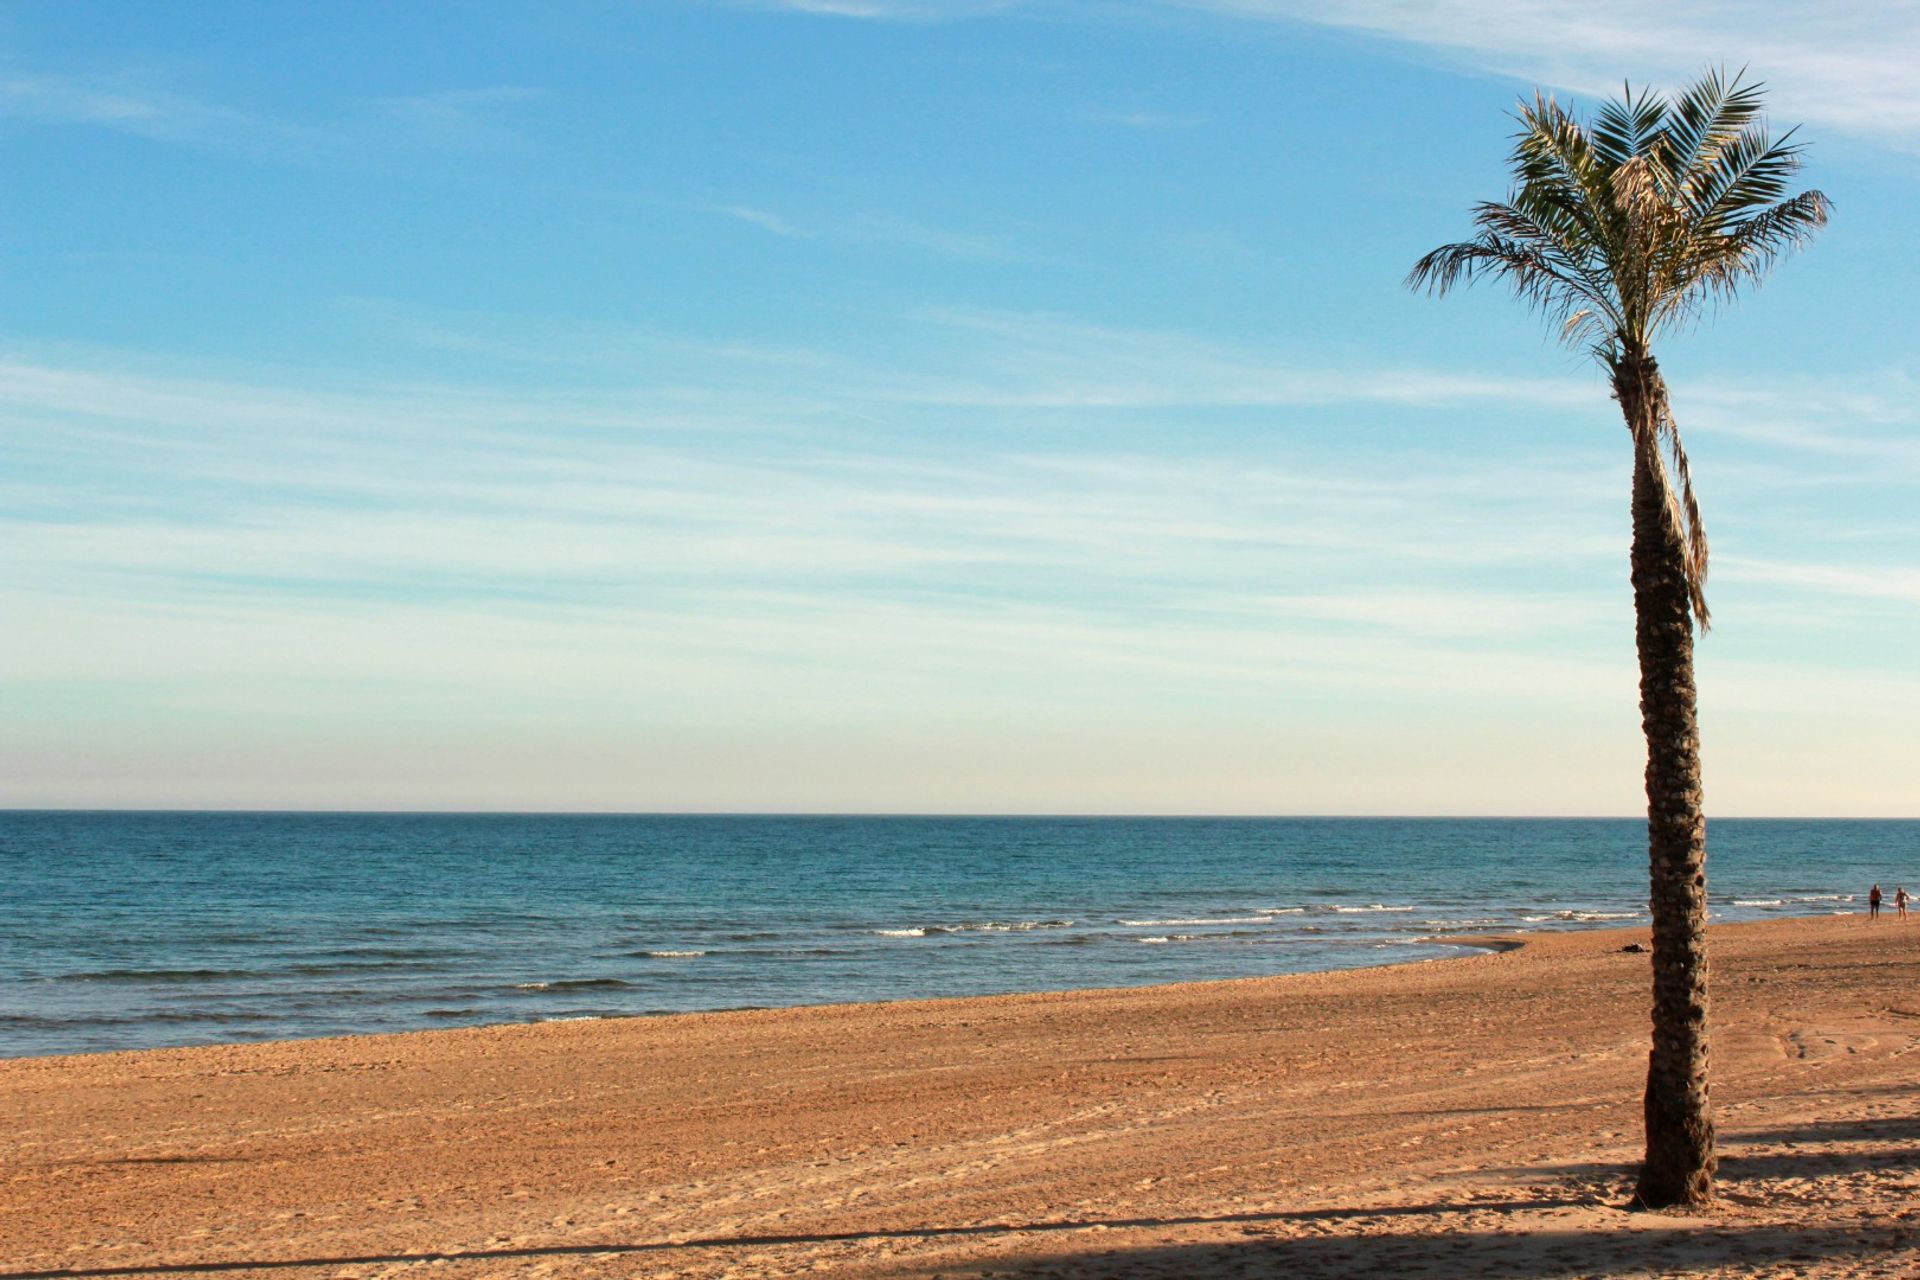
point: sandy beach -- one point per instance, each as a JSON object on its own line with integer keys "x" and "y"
{"x": 1470, "y": 1117}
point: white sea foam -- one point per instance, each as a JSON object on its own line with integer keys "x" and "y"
{"x": 1165, "y": 924}
{"x": 675, "y": 955}
{"x": 981, "y": 926}
{"x": 1283, "y": 911}
{"x": 1584, "y": 915}
{"x": 1759, "y": 902}
{"x": 1009, "y": 926}
{"x": 1377, "y": 906}
{"x": 1172, "y": 937}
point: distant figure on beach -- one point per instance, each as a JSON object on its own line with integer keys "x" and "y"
{"x": 1900, "y": 900}
{"x": 1873, "y": 904}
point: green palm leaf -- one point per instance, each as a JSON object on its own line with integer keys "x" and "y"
{"x": 1619, "y": 228}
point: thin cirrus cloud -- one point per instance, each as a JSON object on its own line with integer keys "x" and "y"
{"x": 457, "y": 118}
{"x": 895, "y": 10}
{"x": 1847, "y": 64}
{"x": 126, "y": 104}
{"x": 1148, "y": 121}
{"x": 869, "y": 228}
{"x": 197, "y": 552}
{"x": 199, "y": 485}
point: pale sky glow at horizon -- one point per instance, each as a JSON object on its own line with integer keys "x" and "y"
{"x": 909, "y": 406}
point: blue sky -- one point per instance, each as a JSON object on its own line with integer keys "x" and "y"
{"x": 927, "y": 406}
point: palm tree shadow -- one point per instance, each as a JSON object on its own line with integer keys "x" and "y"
{"x": 1701, "y": 1249}
{"x": 1825, "y": 1154}
{"x": 879, "y": 1236}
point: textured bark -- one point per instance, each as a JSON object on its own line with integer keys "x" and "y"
{"x": 1679, "y": 1115}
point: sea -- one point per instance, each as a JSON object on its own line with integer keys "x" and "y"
{"x": 140, "y": 930}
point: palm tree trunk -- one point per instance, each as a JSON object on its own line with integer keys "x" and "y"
{"x": 1679, "y": 1116}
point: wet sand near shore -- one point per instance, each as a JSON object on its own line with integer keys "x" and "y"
{"x": 1469, "y": 1117}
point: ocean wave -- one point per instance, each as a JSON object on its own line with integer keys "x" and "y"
{"x": 170, "y": 1017}
{"x": 1759, "y": 902}
{"x": 1167, "y": 924}
{"x": 673, "y": 955}
{"x": 1172, "y": 937}
{"x": 1583, "y": 916}
{"x": 575, "y": 984}
{"x": 160, "y": 975}
{"x": 1825, "y": 897}
{"x": 1008, "y": 926}
{"x": 1376, "y": 906}
{"x": 1282, "y": 911}
{"x": 979, "y": 926}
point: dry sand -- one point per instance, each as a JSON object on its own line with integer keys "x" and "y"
{"x": 1473, "y": 1117}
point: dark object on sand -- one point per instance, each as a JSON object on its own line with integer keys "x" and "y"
{"x": 1635, "y": 948}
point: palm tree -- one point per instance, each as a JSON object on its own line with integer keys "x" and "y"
{"x": 1617, "y": 231}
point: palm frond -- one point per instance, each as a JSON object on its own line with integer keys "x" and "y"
{"x": 1717, "y": 266}
{"x": 1665, "y": 458}
{"x": 1537, "y": 276}
{"x": 1707, "y": 117}
{"x": 1619, "y": 228}
{"x": 1689, "y": 529}
{"x": 1640, "y": 218}
{"x": 1623, "y": 127}
{"x": 1752, "y": 170}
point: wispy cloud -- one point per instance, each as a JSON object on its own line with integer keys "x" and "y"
{"x": 761, "y": 218}
{"x": 461, "y": 119}
{"x": 543, "y": 495}
{"x": 1897, "y": 584}
{"x": 1147, "y": 121}
{"x": 1870, "y": 425}
{"x": 1847, "y": 64}
{"x": 893, "y": 10}
{"x": 492, "y": 563}
{"x": 126, "y": 104}
{"x": 870, "y": 228}
{"x": 1050, "y": 361}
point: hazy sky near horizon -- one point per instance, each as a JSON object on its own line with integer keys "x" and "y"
{"x": 908, "y": 405}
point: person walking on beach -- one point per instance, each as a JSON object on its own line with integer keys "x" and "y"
{"x": 1900, "y": 900}
{"x": 1873, "y": 903}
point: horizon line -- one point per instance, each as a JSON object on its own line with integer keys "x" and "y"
{"x": 924, "y": 814}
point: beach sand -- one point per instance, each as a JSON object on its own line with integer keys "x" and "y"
{"x": 1475, "y": 1117}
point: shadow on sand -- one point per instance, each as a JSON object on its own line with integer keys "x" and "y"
{"x": 1245, "y": 1220}
{"x": 1694, "y": 1249}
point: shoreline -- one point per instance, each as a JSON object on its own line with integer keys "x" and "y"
{"x": 1474, "y": 1117}
{"x": 1471, "y": 946}
{"x": 294, "y": 927}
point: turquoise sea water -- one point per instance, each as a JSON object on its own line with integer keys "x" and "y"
{"x": 135, "y": 930}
